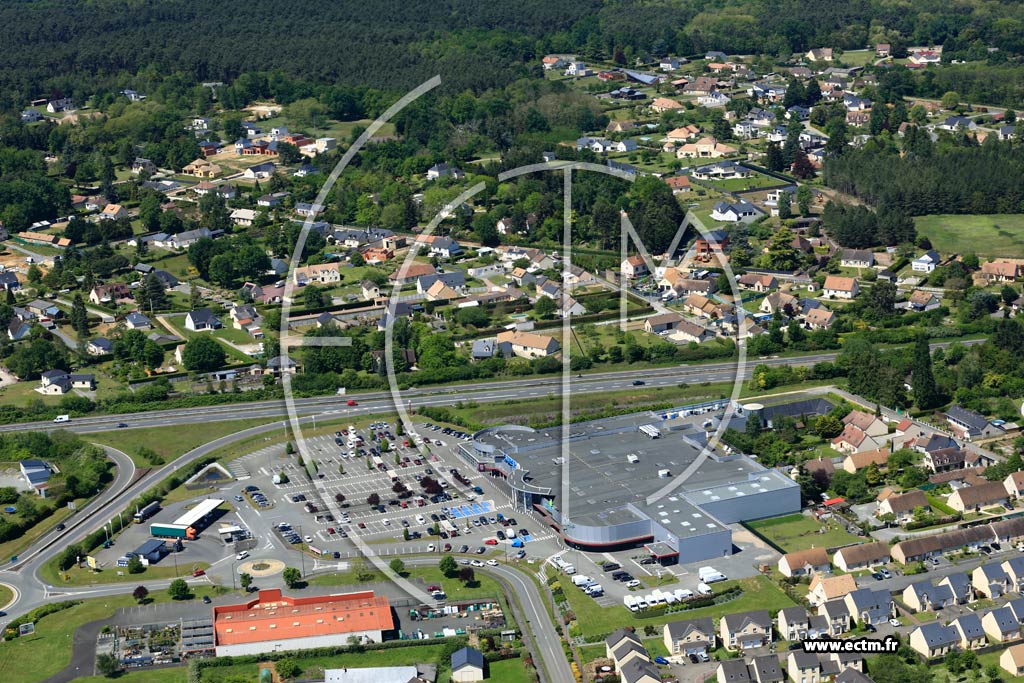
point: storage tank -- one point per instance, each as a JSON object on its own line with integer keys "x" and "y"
{"x": 753, "y": 411}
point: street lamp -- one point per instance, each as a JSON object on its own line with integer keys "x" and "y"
{"x": 233, "y": 585}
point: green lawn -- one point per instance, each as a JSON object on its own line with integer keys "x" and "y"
{"x": 39, "y": 656}
{"x": 14, "y": 546}
{"x": 759, "y": 592}
{"x": 313, "y": 666}
{"x": 88, "y": 577}
{"x": 986, "y": 235}
{"x": 756, "y": 181}
{"x": 509, "y": 671}
{"x": 6, "y": 595}
{"x": 797, "y": 532}
{"x": 174, "y": 674}
{"x": 171, "y": 442}
{"x": 483, "y": 587}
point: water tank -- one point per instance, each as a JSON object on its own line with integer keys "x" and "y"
{"x": 753, "y": 412}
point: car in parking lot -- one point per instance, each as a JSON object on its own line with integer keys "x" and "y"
{"x": 207, "y": 600}
{"x": 464, "y": 548}
{"x": 239, "y": 499}
{"x": 307, "y": 538}
{"x": 481, "y": 550}
{"x": 660, "y": 660}
{"x": 635, "y": 583}
{"x": 387, "y": 522}
{"x": 501, "y": 535}
{"x": 420, "y": 519}
{"x": 895, "y": 622}
{"x": 693, "y": 658}
{"x": 885, "y": 573}
{"x": 330, "y": 530}
{"x": 521, "y": 554}
{"x": 447, "y": 547}
{"x": 934, "y": 561}
{"x": 431, "y": 548}
{"x": 491, "y": 541}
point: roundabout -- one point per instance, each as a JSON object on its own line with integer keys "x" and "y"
{"x": 261, "y": 568}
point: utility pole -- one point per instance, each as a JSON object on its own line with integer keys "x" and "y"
{"x": 302, "y": 554}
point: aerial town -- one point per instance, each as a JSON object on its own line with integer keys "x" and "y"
{"x": 566, "y": 342}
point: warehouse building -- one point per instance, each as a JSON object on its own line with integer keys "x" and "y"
{"x": 622, "y": 492}
{"x": 273, "y": 622}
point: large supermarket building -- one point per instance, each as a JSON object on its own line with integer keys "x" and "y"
{"x": 617, "y": 464}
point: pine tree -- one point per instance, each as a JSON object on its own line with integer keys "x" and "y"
{"x": 156, "y": 297}
{"x": 775, "y": 160}
{"x": 926, "y": 394}
{"x": 79, "y": 317}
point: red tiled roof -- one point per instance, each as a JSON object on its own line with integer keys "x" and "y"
{"x": 273, "y": 616}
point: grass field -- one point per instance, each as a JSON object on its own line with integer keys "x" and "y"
{"x": 986, "y": 235}
{"x": 759, "y": 592}
{"x": 483, "y": 587}
{"x": 796, "y": 532}
{"x": 174, "y": 674}
{"x": 14, "y": 546}
{"x": 6, "y": 595}
{"x": 313, "y": 666}
{"x": 88, "y": 577}
{"x": 39, "y": 656}
{"x": 171, "y": 442}
{"x": 509, "y": 671}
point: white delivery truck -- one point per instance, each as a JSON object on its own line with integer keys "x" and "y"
{"x": 710, "y": 575}
{"x": 580, "y": 580}
{"x": 569, "y": 569}
{"x": 630, "y": 602}
{"x": 62, "y": 418}
{"x": 704, "y": 589}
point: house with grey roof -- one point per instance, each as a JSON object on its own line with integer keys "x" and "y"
{"x": 972, "y": 634}
{"x": 1001, "y": 625}
{"x": 990, "y": 580}
{"x": 970, "y": 425}
{"x": 923, "y": 596}
{"x": 868, "y": 606}
{"x": 201, "y": 320}
{"x": 934, "y": 639}
{"x": 690, "y": 636}
{"x": 137, "y": 321}
{"x": 467, "y": 665}
{"x": 960, "y": 584}
{"x": 36, "y": 473}
{"x": 746, "y": 630}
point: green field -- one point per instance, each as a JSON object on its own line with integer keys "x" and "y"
{"x": 796, "y": 532}
{"x": 39, "y": 656}
{"x": 6, "y": 595}
{"x": 759, "y": 592}
{"x": 171, "y": 442}
{"x": 313, "y": 666}
{"x": 985, "y": 235}
{"x": 509, "y": 671}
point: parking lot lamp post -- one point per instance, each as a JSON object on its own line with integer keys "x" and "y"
{"x": 302, "y": 553}
{"x": 233, "y": 586}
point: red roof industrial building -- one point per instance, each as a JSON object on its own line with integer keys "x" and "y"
{"x": 273, "y": 622}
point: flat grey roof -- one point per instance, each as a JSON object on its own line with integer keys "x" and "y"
{"x": 607, "y": 488}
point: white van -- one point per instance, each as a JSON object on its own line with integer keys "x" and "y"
{"x": 62, "y": 418}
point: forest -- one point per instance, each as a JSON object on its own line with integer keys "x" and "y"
{"x": 80, "y": 48}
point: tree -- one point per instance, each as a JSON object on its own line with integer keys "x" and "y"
{"x": 397, "y": 566}
{"x": 135, "y": 566}
{"x": 545, "y": 307}
{"x": 373, "y": 499}
{"x": 467, "y": 575}
{"x": 782, "y": 255}
{"x": 881, "y": 299}
{"x": 774, "y": 160}
{"x": 140, "y": 594}
{"x": 287, "y": 668}
{"x": 1008, "y": 294}
{"x": 292, "y": 577}
{"x": 802, "y": 166}
{"x": 314, "y": 297}
{"x": 153, "y": 296}
{"x": 828, "y": 426}
{"x": 950, "y": 100}
{"x": 108, "y": 665}
{"x": 357, "y": 260}
{"x": 803, "y": 200}
{"x": 448, "y": 565}
{"x": 178, "y": 590}
{"x": 79, "y": 317}
{"x": 785, "y": 206}
{"x": 926, "y": 393}
{"x": 245, "y": 579}
{"x": 203, "y": 354}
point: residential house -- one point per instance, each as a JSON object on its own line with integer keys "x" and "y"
{"x": 1000, "y": 271}
{"x": 260, "y": 171}
{"x": 758, "y": 282}
{"x": 933, "y": 639}
{"x": 623, "y": 645}
{"x": 868, "y": 606}
{"x": 820, "y": 54}
{"x": 837, "y": 287}
{"x": 467, "y": 665}
{"x": 794, "y": 623}
{"x": 634, "y": 267}
{"x": 1011, "y": 660}
{"x": 837, "y": 615}
{"x": 687, "y": 332}
{"x": 855, "y": 462}
{"x": 924, "y": 597}
{"x": 740, "y": 211}
{"x": 663, "y": 104}
{"x": 970, "y": 425}
{"x": 722, "y": 170}
{"x": 113, "y": 212}
{"x": 321, "y": 273}
{"x": 243, "y": 217}
{"x": 443, "y": 247}
{"x": 920, "y": 300}
{"x": 942, "y": 459}
{"x": 201, "y": 168}
{"x": 664, "y": 322}
{"x": 978, "y": 496}
{"x": 972, "y": 633}
{"x": 854, "y": 440}
{"x": 528, "y": 344}
{"x": 201, "y": 320}
{"x": 805, "y": 562}
{"x": 819, "y": 318}
{"x": 766, "y": 669}
{"x": 1001, "y": 625}
{"x": 444, "y": 170}
{"x": 705, "y": 148}
{"x": 778, "y": 302}
{"x": 857, "y": 258}
{"x": 926, "y": 262}
{"x": 866, "y": 422}
{"x": 678, "y": 183}
{"x": 9, "y": 281}
{"x": 137, "y": 321}
{"x": 903, "y": 506}
{"x": 109, "y": 293}
{"x": 411, "y": 272}
{"x": 455, "y": 279}
{"x": 141, "y": 165}
{"x": 1014, "y": 570}
{"x": 99, "y": 346}
{"x": 690, "y": 637}
{"x": 960, "y": 584}
{"x": 732, "y": 671}
{"x": 746, "y": 630}
{"x": 862, "y": 556}
{"x": 36, "y": 473}
{"x": 990, "y": 580}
